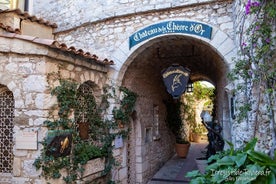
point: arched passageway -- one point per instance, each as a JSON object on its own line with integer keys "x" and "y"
{"x": 154, "y": 143}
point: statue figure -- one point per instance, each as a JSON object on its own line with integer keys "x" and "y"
{"x": 216, "y": 142}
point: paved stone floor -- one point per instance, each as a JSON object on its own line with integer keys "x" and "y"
{"x": 175, "y": 169}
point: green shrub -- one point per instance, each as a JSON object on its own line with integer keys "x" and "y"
{"x": 237, "y": 166}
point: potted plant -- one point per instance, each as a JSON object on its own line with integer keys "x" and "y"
{"x": 175, "y": 124}
{"x": 199, "y": 133}
{"x": 237, "y": 166}
{"x": 216, "y": 141}
{"x": 182, "y": 147}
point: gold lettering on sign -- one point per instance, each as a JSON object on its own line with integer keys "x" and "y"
{"x": 165, "y": 75}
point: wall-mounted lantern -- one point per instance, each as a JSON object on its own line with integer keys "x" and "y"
{"x": 189, "y": 87}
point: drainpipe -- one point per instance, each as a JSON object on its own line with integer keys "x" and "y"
{"x": 26, "y": 5}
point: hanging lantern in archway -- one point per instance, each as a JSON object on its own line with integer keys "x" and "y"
{"x": 190, "y": 87}
{"x": 175, "y": 79}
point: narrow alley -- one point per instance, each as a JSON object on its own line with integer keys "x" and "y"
{"x": 175, "y": 169}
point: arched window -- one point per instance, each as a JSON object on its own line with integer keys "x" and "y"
{"x": 6, "y": 129}
{"x": 87, "y": 115}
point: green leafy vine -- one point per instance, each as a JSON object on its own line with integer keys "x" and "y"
{"x": 75, "y": 109}
{"x": 255, "y": 68}
{"x": 122, "y": 114}
{"x": 240, "y": 166}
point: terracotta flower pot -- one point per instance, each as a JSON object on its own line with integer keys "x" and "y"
{"x": 182, "y": 149}
{"x": 199, "y": 138}
{"x": 83, "y": 130}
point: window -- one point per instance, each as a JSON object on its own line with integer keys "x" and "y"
{"x": 6, "y": 129}
{"x": 23, "y": 5}
{"x": 148, "y": 136}
{"x": 156, "y": 122}
{"x": 87, "y": 104}
{"x": 8, "y": 4}
{"x": 87, "y": 115}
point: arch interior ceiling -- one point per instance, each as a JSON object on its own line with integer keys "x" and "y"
{"x": 200, "y": 58}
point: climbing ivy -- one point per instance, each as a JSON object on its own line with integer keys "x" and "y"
{"x": 255, "y": 68}
{"x": 122, "y": 114}
{"x": 100, "y": 139}
{"x": 81, "y": 150}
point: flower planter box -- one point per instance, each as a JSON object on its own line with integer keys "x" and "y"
{"x": 93, "y": 169}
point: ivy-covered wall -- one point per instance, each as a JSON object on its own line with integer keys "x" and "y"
{"x": 254, "y": 73}
{"x": 24, "y": 71}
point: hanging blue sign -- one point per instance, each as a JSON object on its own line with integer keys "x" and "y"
{"x": 185, "y": 27}
{"x": 175, "y": 79}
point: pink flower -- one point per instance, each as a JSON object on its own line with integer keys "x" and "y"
{"x": 249, "y": 4}
{"x": 247, "y": 7}
{"x": 255, "y": 4}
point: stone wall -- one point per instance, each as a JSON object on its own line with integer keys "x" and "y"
{"x": 24, "y": 69}
{"x": 106, "y": 36}
{"x": 154, "y": 142}
{"x": 102, "y": 27}
{"x": 70, "y": 14}
{"x": 257, "y": 123}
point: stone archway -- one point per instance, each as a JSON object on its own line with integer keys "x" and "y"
{"x": 123, "y": 56}
{"x": 219, "y": 42}
{"x": 139, "y": 69}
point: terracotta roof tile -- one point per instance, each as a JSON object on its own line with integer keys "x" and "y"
{"x": 9, "y": 29}
{"x": 32, "y": 18}
{"x": 57, "y": 45}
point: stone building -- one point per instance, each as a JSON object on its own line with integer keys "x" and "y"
{"x": 26, "y": 59}
{"x": 142, "y": 38}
